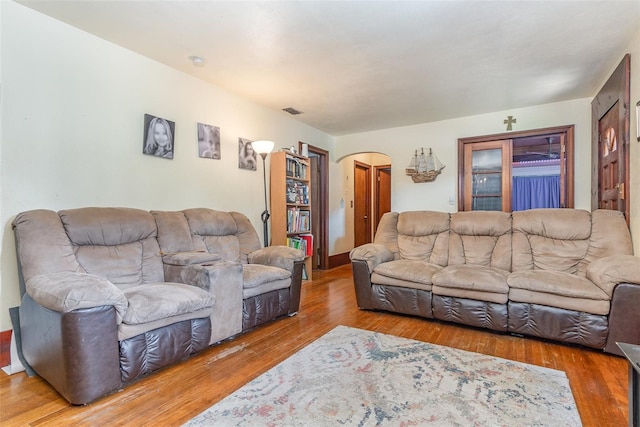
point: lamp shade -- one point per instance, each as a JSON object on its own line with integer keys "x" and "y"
{"x": 263, "y": 146}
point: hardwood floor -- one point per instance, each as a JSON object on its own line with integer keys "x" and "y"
{"x": 178, "y": 393}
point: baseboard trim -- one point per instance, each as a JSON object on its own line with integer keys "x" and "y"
{"x": 339, "y": 259}
{"x": 5, "y": 348}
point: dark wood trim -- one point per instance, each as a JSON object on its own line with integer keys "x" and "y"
{"x": 5, "y": 348}
{"x": 568, "y": 130}
{"x": 323, "y": 194}
{"x": 615, "y": 90}
{"x": 339, "y": 259}
{"x": 376, "y": 193}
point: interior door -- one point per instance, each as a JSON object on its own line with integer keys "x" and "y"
{"x": 487, "y": 176}
{"x": 609, "y": 194}
{"x": 610, "y": 111}
{"x": 383, "y": 193}
{"x": 362, "y": 203}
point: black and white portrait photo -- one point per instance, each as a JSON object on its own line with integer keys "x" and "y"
{"x": 247, "y": 158}
{"x": 208, "y": 141}
{"x": 158, "y": 136}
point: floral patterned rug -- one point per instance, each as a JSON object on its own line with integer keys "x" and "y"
{"x": 360, "y": 378}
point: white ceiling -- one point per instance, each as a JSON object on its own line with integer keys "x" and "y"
{"x": 353, "y": 66}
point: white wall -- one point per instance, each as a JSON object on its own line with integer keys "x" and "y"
{"x": 71, "y": 122}
{"x": 442, "y": 137}
{"x": 341, "y": 199}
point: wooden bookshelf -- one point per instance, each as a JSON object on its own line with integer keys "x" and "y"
{"x": 290, "y": 203}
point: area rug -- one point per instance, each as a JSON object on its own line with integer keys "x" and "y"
{"x": 361, "y": 378}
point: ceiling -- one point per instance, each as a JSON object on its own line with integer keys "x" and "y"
{"x": 354, "y": 66}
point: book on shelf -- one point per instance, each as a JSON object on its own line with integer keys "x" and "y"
{"x": 298, "y": 220}
{"x": 297, "y": 192}
{"x": 308, "y": 238}
{"x": 296, "y": 168}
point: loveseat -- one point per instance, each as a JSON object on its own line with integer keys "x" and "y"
{"x": 560, "y": 274}
{"x": 112, "y": 294}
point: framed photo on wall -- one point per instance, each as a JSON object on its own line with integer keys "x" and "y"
{"x": 208, "y": 141}
{"x": 247, "y": 158}
{"x": 158, "y": 137}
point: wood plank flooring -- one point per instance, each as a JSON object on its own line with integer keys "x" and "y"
{"x": 178, "y": 393}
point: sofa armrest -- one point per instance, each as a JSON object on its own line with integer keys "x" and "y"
{"x": 76, "y": 352}
{"x": 223, "y": 280}
{"x": 65, "y": 292}
{"x": 276, "y": 256}
{"x": 372, "y": 253}
{"x": 609, "y": 271}
{"x": 189, "y": 258}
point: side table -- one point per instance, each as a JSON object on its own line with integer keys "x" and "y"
{"x": 632, "y": 353}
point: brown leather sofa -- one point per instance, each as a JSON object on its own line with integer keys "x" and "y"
{"x": 112, "y": 294}
{"x": 561, "y": 274}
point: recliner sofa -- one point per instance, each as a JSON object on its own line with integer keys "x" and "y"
{"x": 561, "y": 274}
{"x": 112, "y": 294}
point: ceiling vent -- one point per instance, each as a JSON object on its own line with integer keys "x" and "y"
{"x": 292, "y": 111}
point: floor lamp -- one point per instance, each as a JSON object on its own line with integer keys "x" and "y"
{"x": 263, "y": 148}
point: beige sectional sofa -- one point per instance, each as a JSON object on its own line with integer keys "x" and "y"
{"x": 561, "y": 274}
{"x": 112, "y": 294}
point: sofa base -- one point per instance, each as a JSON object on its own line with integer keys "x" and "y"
{"x": 416, "y": 302}
{"x": 482, "y": 314}
{"x": 558, "y": 324}
{"x": 155, "y": 349}
{"x": 264, "y": 307}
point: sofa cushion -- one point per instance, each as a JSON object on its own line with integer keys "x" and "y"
{"x": 481, "y": 238}
{"x": 155, "y": 301}
{"x": 118, "y": 244}
{"x": 551, "y": 239}
{"x": 424, "y": 235}
{"x": 258, "y": 279}
{"x": 557, "y": 289}
{"x": 173, "y": 231}
{"x": 472, "y": 282}
{"x": 473, "y": 277}
{"x": 406, "y": 270}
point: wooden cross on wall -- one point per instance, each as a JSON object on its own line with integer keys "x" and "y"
{"x": 509, "y": 121}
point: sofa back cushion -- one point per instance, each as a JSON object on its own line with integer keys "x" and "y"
{"x": 42, "y": 245}
{"x": 118, "y": 244}
{"x": 424, "y": 235}
{"x": 228, "y": 234}
{"x": 609, "y": 235}
{"x": 551, "y": 239}
{"x": 481, "y": 238}
{"x": 387, "y": 232}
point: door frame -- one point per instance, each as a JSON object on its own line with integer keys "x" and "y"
{"x": 323, "y": 204}
{"x": 567, "y": 130}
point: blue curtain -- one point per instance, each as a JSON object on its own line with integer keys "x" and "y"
{"x": 532, "y": 192}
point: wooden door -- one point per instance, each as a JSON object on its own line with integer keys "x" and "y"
{"x": 609, "y": 166}
{"x": 383, "y": 193}
{"x": 610, "y": 112}
{"x": 487, "y": 176}
{"x": 362, "y": 203}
